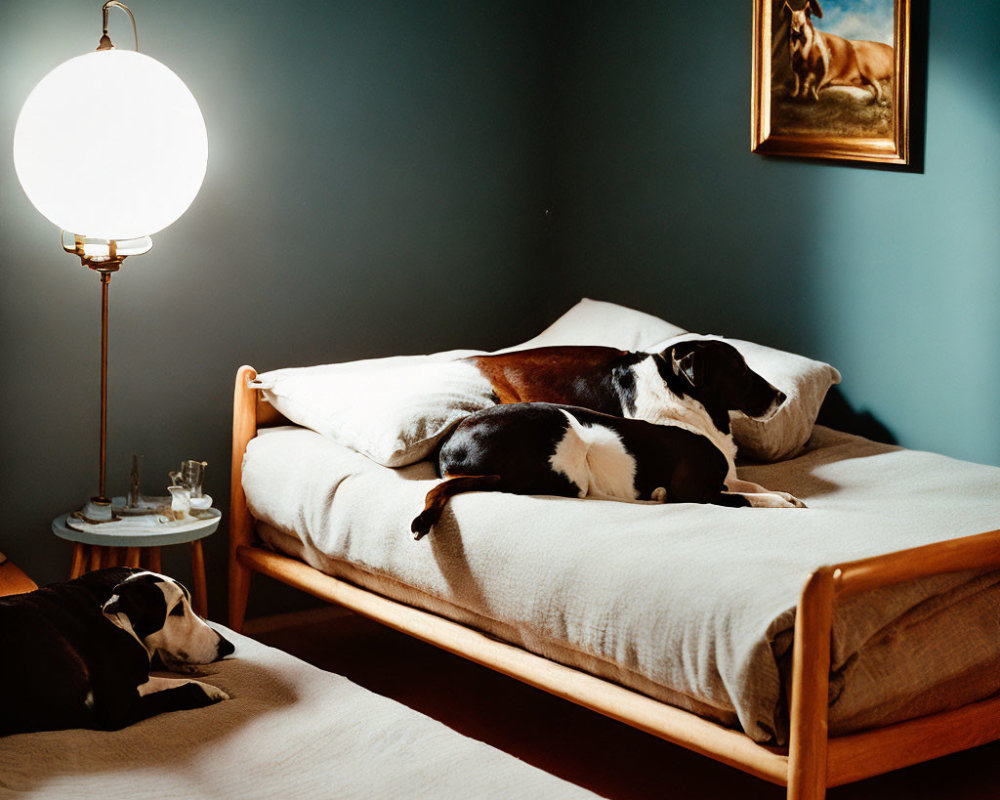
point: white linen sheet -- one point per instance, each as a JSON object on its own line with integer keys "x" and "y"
{"x": 688, "y": 603}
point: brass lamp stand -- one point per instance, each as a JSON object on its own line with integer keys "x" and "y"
{"x": 105, "y": 271}
{"x": 105, "y": 265}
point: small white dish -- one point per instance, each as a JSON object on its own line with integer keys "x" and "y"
{"x": 201, "y": 503}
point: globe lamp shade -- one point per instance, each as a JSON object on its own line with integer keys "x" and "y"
{"x": 111, "y": 145}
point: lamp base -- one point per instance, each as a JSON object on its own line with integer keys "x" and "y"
{"x": 98, "y": 509}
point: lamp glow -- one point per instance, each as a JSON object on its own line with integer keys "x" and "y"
{"x": 111, "y": 145}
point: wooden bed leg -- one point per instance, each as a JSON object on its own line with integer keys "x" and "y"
{"x": 239, "y": 593}
{"x": 807, "y": 751}
{"x": 240, "y": 521}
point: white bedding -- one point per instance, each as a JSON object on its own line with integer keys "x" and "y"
{"x": 691, "y": 604}
{"x": 289, "y": 730}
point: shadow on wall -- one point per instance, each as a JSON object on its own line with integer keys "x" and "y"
{"x": 837, "y": 413}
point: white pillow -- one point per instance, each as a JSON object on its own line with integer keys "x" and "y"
{"x": 592, "y": 322}
{"x": 393, "y": 410}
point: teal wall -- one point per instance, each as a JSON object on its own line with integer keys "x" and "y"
{"x": 892, "y": 276}
{"x": 392, "y": 176}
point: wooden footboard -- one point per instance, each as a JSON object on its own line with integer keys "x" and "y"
{"x": 813, "y": 760}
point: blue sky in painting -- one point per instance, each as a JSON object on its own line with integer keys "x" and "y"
{"x": 869, "y": 20}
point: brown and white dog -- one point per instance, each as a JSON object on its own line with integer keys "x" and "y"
{"x": 822, "y": 59}
{"x": 661, "y": 434}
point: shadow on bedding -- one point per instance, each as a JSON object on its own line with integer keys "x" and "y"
{"x": 263, "y": 697}
{"x": 449, "y": 552}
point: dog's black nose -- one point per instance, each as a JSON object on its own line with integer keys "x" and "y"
{"x": 224, "y": 648}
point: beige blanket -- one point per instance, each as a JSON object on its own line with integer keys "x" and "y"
{"x": 691, "y": 604}
{"x": 290, "y": 730}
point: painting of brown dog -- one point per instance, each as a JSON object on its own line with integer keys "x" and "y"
{"x": 831, "y": 79}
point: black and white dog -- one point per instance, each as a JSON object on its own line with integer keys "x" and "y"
{"x": 78, "y": 654}
{"x": 579, "y": 422}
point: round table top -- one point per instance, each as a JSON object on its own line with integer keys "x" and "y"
{"x": 125, "y": 533}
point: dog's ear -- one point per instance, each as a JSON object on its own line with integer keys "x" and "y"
{"x": 120, "y": 602}
{"x": 141, "y": 602}
{"x": 688, "y": 366}
{"x": 813, "y": 7}
{"x": 787, "y": 9}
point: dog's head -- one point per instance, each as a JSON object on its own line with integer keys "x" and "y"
{"x": 714, "y": 373}
{"x": 157, "y": 611}
{"x": 799, "y": 22}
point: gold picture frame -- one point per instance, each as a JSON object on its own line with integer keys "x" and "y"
{"x": 819, "y": 94}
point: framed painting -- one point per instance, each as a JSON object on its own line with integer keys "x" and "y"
{"x": 831, "y": 79}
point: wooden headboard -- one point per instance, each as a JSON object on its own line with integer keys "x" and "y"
{"x": 251, "y": 412}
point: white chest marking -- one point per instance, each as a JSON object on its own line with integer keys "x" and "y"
{"x": 595, "y": 460}
{"x": 654, "y": 402}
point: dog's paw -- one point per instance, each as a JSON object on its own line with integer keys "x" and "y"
{"x": 791, "y": 500}
{"x": 774, "y": 500}
{"x": 658, "y": 495}
{"x": 213, "y": 693}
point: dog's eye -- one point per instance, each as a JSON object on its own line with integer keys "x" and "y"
{"x": 177, "y": 610}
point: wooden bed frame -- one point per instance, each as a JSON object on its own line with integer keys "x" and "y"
{"x": 813, "y": 760}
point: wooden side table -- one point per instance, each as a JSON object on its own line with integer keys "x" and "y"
{"x": 124, "y": 542}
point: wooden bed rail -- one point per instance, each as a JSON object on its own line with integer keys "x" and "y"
{"x": 814, "y": 760}
{"x": 980, "y": 551}
{"x": 811, "y": 767}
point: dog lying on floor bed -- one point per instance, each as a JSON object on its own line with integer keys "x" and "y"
{"x": 289, "y": 730}
{"x": 78, "y": 654}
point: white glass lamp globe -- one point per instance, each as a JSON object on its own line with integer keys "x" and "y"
{"x": 111, "y": 145}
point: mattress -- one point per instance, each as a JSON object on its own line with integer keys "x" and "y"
{"x": 289, "y": 730}
{"x": 691, "y": 604}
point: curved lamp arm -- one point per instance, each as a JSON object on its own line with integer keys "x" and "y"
{"x": 105, "y": 43}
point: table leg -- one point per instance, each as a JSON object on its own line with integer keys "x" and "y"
{"x": 155, "y": 562}
{"x": 132, "y": 557}
{"x": 198, "y": 575}
{"x": 95, "y": 557}
{"x": 79, "y": 565}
